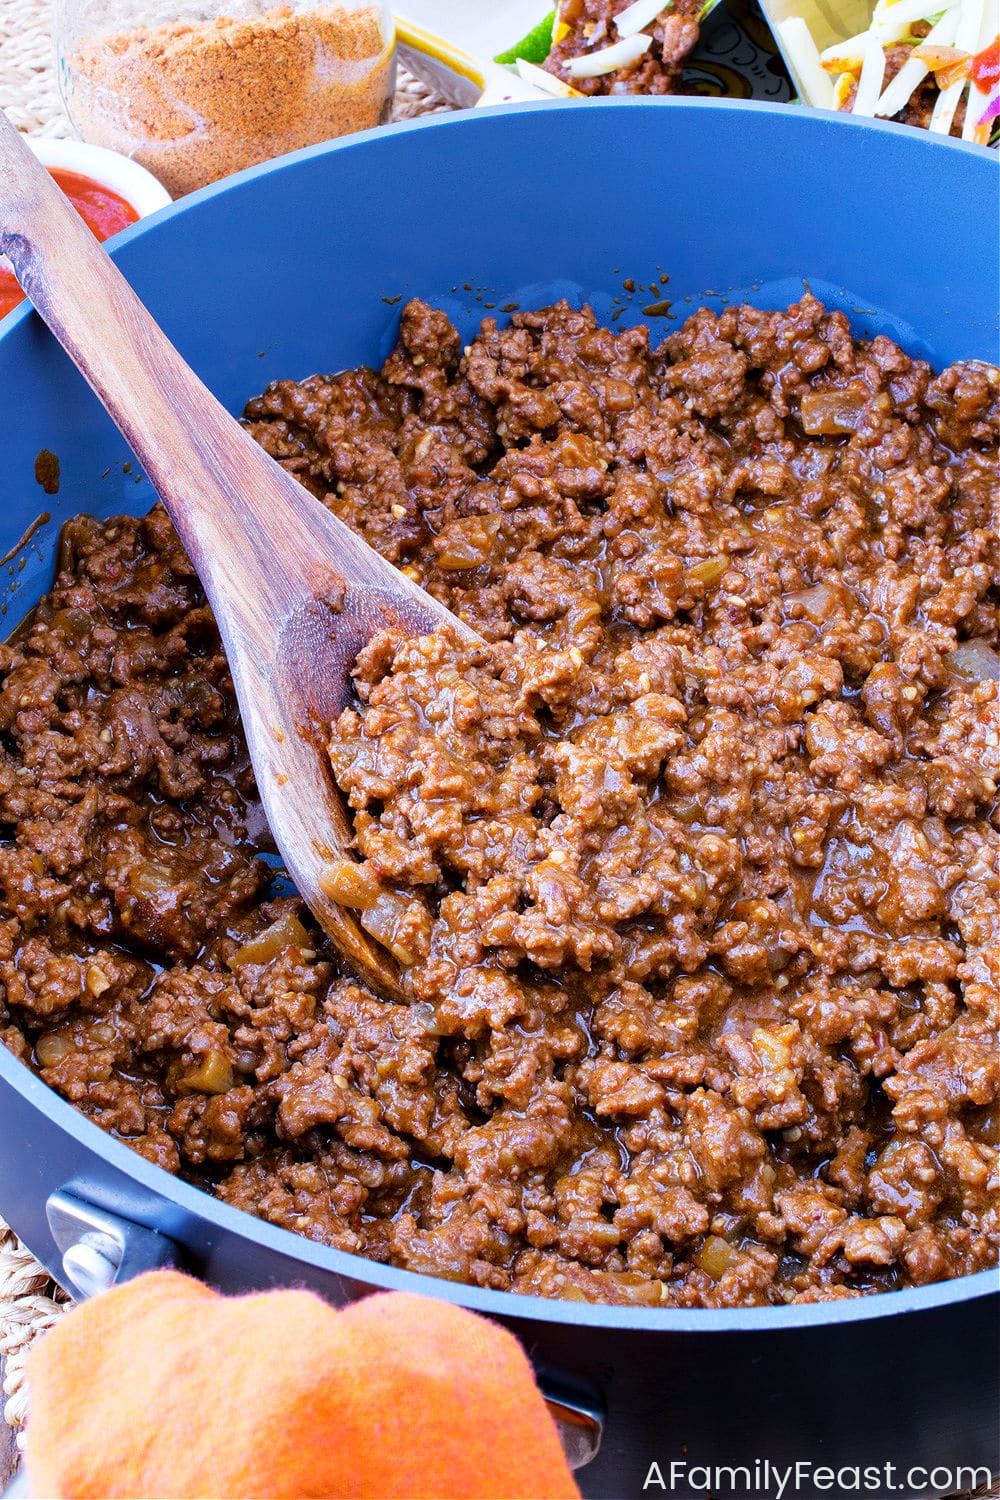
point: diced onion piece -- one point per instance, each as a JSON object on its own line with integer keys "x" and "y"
{"x": 52, "y": 1046}
{"x": 872, "y": 76}
{"x": 467, "y": 542}
{"x": 975, "y": 660}
{"x": 818, "y": 602}
{"x": 803, "y": 54}
{"x": 715, "y": 1257}
{"x": 913, "y": 72}
{"x": 401, "y": 925}
{"x": 287, "y": 932}
{"x": 892, "y": 22}
{"x": 547, "y": 82}
{"x": 608, "y": 59}
{"x": 351, "y": 884}
{"x": 212, "y": 1074}
{"x": 618, "y": 395}
{"x": 96, "y": 981}
{"x": 72, "y": 621}
{"x": 709, "y": 571}
{"x": 830, "y": 413}
{"x": 634, "y": 17}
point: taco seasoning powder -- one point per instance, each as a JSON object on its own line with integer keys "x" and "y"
{"x": 195, "y": 101}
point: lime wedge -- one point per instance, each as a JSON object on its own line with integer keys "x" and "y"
{"x": 533, "y": 48}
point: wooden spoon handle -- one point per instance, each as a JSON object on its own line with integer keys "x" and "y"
{"x": 295, "y": 592}
{"x": 261, "y": 544}
{"x": 152, "y": 396}
{"x": 222, "y": 492}
{"x": 189, "y": 446}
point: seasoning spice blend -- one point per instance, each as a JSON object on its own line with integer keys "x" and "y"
{"x": 194, "y": 100}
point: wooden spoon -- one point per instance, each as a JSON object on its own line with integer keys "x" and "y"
{"x": 295, "y": 592}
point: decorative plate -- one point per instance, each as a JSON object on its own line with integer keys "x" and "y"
{"x": 451, "y": 45}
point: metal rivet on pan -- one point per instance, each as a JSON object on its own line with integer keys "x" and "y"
{"x": 89, "y": 1266}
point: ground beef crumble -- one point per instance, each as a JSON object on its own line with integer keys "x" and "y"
{"x": 589, "y": 26}
{"x": 692, "y": 865}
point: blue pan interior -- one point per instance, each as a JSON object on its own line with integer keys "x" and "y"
{"x": 302, "y": 265}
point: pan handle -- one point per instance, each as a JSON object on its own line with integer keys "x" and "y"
{"x": 100, "y": 1250}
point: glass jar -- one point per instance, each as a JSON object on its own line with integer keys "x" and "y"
{"x": 196, "y": 89}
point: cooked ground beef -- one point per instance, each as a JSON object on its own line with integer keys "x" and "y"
{"x": 695, "y": 859}
{"x": 591, "y": 26}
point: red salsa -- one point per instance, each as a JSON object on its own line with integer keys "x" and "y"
{"x": 101, "y": 210}
{"x": 985, "y": 70}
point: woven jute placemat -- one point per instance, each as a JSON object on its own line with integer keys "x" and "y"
{"x": 30, "y": 1302}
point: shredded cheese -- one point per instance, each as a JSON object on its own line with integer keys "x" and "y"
{"x": 872, "y": 75}
{"x": 977, "y": 123}
{"x": 814, "y": 85}
{"x": 958, "y": 30}
{"x": 966, "y": 36}
{"x": 913, "y": 72}
{"x": 608, "y": 59}
{"x": 639, "y": 15}
{"x": 547, "y": 82}
{"x": 845, "y": 57}
{"x": 891, "y": 22}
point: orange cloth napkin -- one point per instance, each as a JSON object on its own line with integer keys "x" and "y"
{"x": 164, "y": 1388}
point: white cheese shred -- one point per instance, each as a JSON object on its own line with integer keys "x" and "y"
{"x": 639, "y": 15}
{"x": 892, "y": 19}
{"x": 546, "y": 82}
{"x": 911, "y": 75}
{"x": 872, "y": 75}
{"x": 989, "y": 28}
{"x": 608, "y": 59}
{"x": 970, "y": 19}
{"x": 803, "y": 54}
{"x": 844, "y": 57}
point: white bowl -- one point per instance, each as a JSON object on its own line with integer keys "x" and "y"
{"x": 123, "y": 176}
